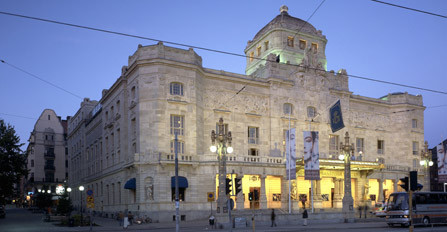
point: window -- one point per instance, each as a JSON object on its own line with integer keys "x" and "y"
{"x": 415, "y": 148}
{"x": 258, "y": 51}
{"x": 415, "y": 163}
{"x": 381, "y": 160}
{"x": 118, "y": 106}
{"x": 181, "y": 194}
{"x": 414, "y": 123}
{"x": 132, "y": 93}
{"x": 314, "y": 48}
{"x": 253, "y": 135}
{"x": 177, "y": 124}
{"x": 360, "y": 145}
{"x": 266, "y": 45}
{"x": 253, "y": 152}
{"x": 380, "y": 146}
{"x": 288, "y": 108}
{"x": 290, "y": 41}
{"x": 303, "y": 44}
{"x": 176, "y": 88}
{"x": 252, "y": 54}
{"x": 180, "y": 147}
{"x": 133, "y": 124}
{"x": 333, "y": 144}
{"x": 32, "y": 163}
{"x": 134, "y": 147}
{"x": 112, "y": 111}
{"x": 311, "y": 111}
{"x": 49, "y": 117}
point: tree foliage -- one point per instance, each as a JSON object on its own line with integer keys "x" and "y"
{"x": 12, "y": 161}
{"x": 64, "y": 206}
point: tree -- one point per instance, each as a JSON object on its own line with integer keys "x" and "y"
{"x": 64, "y": 206}
{"x": 12, "y": 161}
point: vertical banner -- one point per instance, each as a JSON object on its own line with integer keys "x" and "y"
{"x": 311, "y": 156}
{"x": 290, "y": 154}
{"x": 336, "y": 117}
{"x": 442, "y": 161}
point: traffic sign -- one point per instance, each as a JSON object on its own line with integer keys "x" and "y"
{"x": 90, "y": 192}
{"x": 210, "y": 196}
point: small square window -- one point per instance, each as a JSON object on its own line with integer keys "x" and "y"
{"x": 253, "y": 152}
{"x": 176, "y": 89}
{"x": 311, "y": 111}
{"x": 288, "y": 108}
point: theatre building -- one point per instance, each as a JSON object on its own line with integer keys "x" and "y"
{"x": 122, "y": 147}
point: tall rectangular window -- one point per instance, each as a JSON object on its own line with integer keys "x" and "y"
{"x": 290, "y": 41}
{"x": 133, "y": 125}
{"x": 333, "y": 144}
{"x": 303, "y": 44}
{"x": 360, "y": 145}
{"x": 314, "y": 47}
{"x": 177, "y": 124}
{"x": 180, "y": 147}
{"x": 266, "y": 45}
{"x": 258, "y": 51}
{"x": 252, "y": 54}
{"x": 415, "y": 148}
{"x": 414, "y": 123}
{"x": 253, "y": 135}
{"x": 380, "y": 147}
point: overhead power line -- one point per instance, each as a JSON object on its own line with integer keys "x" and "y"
{"x": 214, "y": 50}
{"x": 412, "y": 9}
{"x": 30, "y": 74}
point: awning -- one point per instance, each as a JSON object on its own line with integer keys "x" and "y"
{"x": 182, "y": 182}
{"x": 131, "y": 184}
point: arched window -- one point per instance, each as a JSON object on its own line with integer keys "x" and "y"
{"x": 176, "y": 88}
{"x": 288, "y": 108}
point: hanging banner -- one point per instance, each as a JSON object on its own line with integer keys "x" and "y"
{"x": 311, "y": 156}
{"x": 290, "y": 154}
{"x": 442, "y": 162}
{"x": 336, "y": 117}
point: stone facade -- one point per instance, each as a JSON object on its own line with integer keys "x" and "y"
{"x": 46, "y": 153}
{"x": 165, "y": 90}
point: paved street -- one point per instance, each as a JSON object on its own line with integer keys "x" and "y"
{"x": 24, "y": 221}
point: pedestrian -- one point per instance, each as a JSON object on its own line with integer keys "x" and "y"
{"x": 305, "y": 216}
{"x": 130, "y": 216}
{"x": 273, "y": 217}
{"x": 121, "y": 218}
{"x": 360, "y": 208}
{"x": 365, "y": 209}
{"x": 212, "y": 218}
{"x": 126, "y": 219}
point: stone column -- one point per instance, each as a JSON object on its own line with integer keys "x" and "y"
{"x": 263, "y": 193}
{"x": 338, "y": 193}
{"x": 318, "y": 200}
{"x": 380, "y": 198}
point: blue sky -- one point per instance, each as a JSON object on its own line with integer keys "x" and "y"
{"x": 365, "y": 38}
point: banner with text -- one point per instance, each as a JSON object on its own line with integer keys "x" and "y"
{"x": 442, "y": 162}
{"x": 336, "y": 117}
{"x": 290, "y": 154}
{"x": 311, "y": 156}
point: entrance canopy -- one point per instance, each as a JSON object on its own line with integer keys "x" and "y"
{"x": 182, "y": 182}
{"x": 335, "y": 164}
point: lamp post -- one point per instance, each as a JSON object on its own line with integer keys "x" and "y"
{"x": 347, "y": 150}
{"x": 81, "y": 189}
{"x": 222, "y": 138}
{"x": 426, "y": 162}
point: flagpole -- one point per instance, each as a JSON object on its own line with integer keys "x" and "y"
{"x": 290, "y": 151}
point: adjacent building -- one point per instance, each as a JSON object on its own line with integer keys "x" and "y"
{"x": 47, "y": 154}
{"x": 122, "y": 147}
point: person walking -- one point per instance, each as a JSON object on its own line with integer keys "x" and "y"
{"x": 305, "y": 216}
{"x": 121, "y": 217}
{"x": 273, "y": 217}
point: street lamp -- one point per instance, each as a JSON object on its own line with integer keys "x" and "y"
{"x": 69, "y": 189}
{"x": 222, "y": 138}
{"x": 81, "y": 189}
{"x": 347, "y": 150}
{"x": 426, "y": 162}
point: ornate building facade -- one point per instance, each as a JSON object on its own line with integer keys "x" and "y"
{"x": 126, "y": 155}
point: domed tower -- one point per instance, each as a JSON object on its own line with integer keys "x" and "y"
{"x": 286, "y": 39}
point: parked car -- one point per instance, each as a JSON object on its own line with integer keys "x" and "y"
{"x": 379, "y": 209}
{"x": 2, "y": 211}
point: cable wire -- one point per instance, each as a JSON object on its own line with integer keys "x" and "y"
{"x": 412, "y": 9}
{"x": 218, "y": 51}
{"x": 22, "y": 70}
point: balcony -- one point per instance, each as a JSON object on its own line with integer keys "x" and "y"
{"x": 49, "y": 168}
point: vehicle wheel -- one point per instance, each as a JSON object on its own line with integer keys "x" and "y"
{"x": 426, "y": 221}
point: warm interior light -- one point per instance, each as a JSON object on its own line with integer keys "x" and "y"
{"x": 341, "y": 157}
{"x": 213, "y": 148}
{"x": 230, "y": 150}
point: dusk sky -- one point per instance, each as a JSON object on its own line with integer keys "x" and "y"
{"x": 366, "y": 38}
